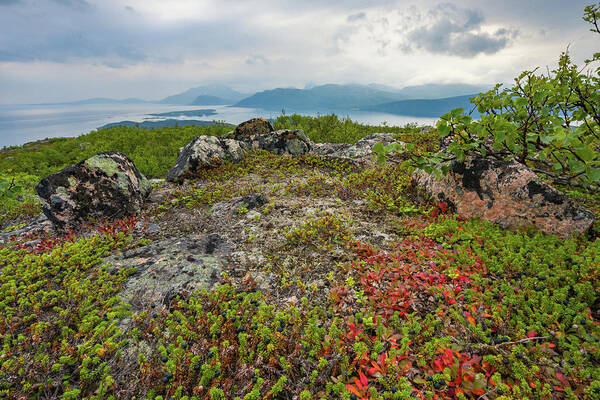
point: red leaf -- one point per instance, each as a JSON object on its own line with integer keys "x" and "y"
{"x": 470, "y": 319}
{"x": 562, "y": 378}
{"x": 363, "y": 379}
{"x": 532, "y": 385}
{"x": 353, "y": 390}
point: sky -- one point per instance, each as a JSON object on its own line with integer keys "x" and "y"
{"x": 62, "y": 50}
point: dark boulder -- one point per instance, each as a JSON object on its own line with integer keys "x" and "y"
{"x": 252, "y": 127}
{"x": 508, "y": 194}
{"x": 107, "y": 185}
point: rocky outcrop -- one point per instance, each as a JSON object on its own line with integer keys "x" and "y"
{"x": 361, "y": 152}
{"x": 210, "y": 151}
{"x": 250, "y": 128}
{"x": 106, "y": 185}
{"x": 287, "y": 141}
{"x": 508, "y": 194}
{"x": 169, "y": 267}
{"x": 204, "y": 152}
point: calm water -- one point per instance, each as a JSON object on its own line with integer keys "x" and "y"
{"x": 27, "y": 123}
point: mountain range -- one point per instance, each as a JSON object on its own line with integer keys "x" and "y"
{"x": 218, "y": 94}
{"x": 424, "y": 107}
{"x": 429, "y": 100}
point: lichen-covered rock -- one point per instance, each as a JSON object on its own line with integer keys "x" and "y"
{"x": 508, "y": 194}
{"x": 360, "y": 152}
{"x": 253, "y": 127}
{"x": 107, "y": 185}
{"x": 204, "y": 152}
{"x": 169, "y": 267}
{"x": 287, "y": 141}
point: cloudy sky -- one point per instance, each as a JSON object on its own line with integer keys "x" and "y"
{"x": 59, "y": 50}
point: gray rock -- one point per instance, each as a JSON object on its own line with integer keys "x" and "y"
{"x": 288, "y": 141}
{"x": 148, "y": 227}
{"x": 104, "y": 186}
{"x": 361, "y": 152}
{"x": 169, "y": 267}
{"x": 203, "y": 152}
{"x": 232, "y": 207}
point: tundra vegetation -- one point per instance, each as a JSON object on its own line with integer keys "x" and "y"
{"x": 452, "y": 309}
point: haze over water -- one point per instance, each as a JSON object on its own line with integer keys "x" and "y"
{"x": 20, "y": 124}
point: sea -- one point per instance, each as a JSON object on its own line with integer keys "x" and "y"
{"x": 20, "y": 124}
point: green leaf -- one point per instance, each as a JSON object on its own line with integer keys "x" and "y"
{"x": 378, "y": 148}
{"x": 576, "y": 166}
{"x": 443, "y": 128}
{"x": 521, "y": 101}
{"x": 593, "y": 174}
{"x": 456, "y": 112}
{"x": 585, "y": 153}
{"x": 547, "y": 138}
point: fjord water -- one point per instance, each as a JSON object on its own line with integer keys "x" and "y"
{"x": 20, "y": 124}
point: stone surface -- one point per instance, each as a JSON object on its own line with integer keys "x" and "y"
{"x": 204, "y": 152}
{"x": 360, "y": 152}
{"x": 169, "y": 267}
{"x": 288, "y": 141}
{"x": 40, "y": 225}
{"x": 508, "y": 194}
{"x": 106, "y": 185}
{"x": 232, "y": 207}
{"x": 253, "y": 127}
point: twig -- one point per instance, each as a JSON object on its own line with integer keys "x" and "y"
{"x": 524, "y": 340}
{"x": 486, "y": 393}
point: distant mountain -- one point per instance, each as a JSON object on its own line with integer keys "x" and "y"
{"x": 190, "y": 95}
{"x": 325, "y": 97}
{"x": 161, "y": 124}
{"x": 440, "y": 90}
{"x": 386, "y": 88}
{"x": 423, "y": 107}
{"x": 206, "y": 100}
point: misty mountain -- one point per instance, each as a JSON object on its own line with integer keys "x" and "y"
{"x": 423, "y": 107}
{"x": 190, "y": 95}
{"x": 323, "y": 98}
{"x": 332, "y": 97}
{"x": 440, "y": 90}
{"x": 206, "y": 100}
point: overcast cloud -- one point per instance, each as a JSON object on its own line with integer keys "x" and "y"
{"x": 58, "y": 50}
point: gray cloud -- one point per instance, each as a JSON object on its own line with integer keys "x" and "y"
{"x": 257, "y": 59}
{"x": 64, "y": 33}
{"x": 111, "y": 47}
{"x": 457, "y": 31}
{"x": 79, "y": 5}
{"x": 356, "y": 17}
